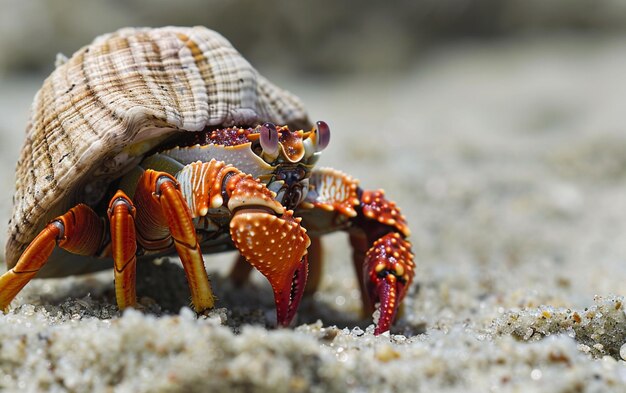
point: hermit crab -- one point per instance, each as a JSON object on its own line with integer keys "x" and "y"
{"x": 156, "y": 141}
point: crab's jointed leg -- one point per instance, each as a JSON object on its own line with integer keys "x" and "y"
{"x": 162, "y": 217}
{"x": 121, "y": 215}
{"x": 79, "y": 231}
{"x": 378, "y": 231}
{"x": 266, "y": 235}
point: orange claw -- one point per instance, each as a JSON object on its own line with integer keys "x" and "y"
{"x": 124, "y": 248}
{"x": 276, "y": 247}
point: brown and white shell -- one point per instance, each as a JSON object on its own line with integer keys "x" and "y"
{"x": 100, "y": 111}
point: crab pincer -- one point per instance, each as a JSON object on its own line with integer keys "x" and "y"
{"x": 276, "y": 247}
{"x": 269, "y": 238}
{"x": 389, "y": 272}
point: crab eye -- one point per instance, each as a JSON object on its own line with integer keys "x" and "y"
{"x": 269, "y": 139}
{"x": 323, "y": 135}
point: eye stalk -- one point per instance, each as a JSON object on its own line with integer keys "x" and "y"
{"x": 269, "y": 141}
{"x": 322, "y": 135}
{"x": 318, "y": 139}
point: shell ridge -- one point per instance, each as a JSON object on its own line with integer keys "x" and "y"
{"x": 159, "y": 72}
{"x": 140, "y": 45}
{"x": 176, "y": 76}
{"x": 198, "y": 88}
{"x": 226, "y": 79}
{"x": 90, "y": 63}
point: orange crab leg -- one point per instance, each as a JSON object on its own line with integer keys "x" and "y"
{"x": 121, "y": 215}
{"x": 79, "y": 231}
{"x": 162, "y": 211}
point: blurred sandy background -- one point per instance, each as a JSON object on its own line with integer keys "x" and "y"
{"x": 497, "y": 126}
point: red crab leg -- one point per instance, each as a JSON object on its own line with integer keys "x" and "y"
{"x": 121, "y": 214}
{"x": 381, "y": 254}
{"x": 79, "y": 231}
{"x": 163, "y": 215}
{"x": 267, "y": 236}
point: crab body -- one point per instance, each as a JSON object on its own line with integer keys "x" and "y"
{"x": 156, "y": 141}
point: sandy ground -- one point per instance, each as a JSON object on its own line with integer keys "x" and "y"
{"x": 509, "y": 161}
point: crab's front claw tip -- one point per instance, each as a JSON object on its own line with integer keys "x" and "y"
{"x": 389, "y": 273}
{"x": 276, "y": 247}
{"x": 388, "y": 292}
{"x": 288, "y": 293}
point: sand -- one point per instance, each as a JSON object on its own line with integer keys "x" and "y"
{"x": 508, "y": 159}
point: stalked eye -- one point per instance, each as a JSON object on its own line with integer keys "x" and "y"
{"x": 269, "y": 139}
{"x": 323, "y": 136}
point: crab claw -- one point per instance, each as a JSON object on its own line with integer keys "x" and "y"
{"x": 276, "y": 247}
{"x": 389, "y": 272}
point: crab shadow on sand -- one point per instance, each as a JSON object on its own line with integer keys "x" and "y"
{"x": 162, "y": 290}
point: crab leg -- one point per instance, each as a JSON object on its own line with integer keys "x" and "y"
{"x": 121, "y": 215}
{"x": 266, "y": 235}
{"x": 381, "y": 254}
{"x": 79, "y": 231}
{"x": 162, "y": 217}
